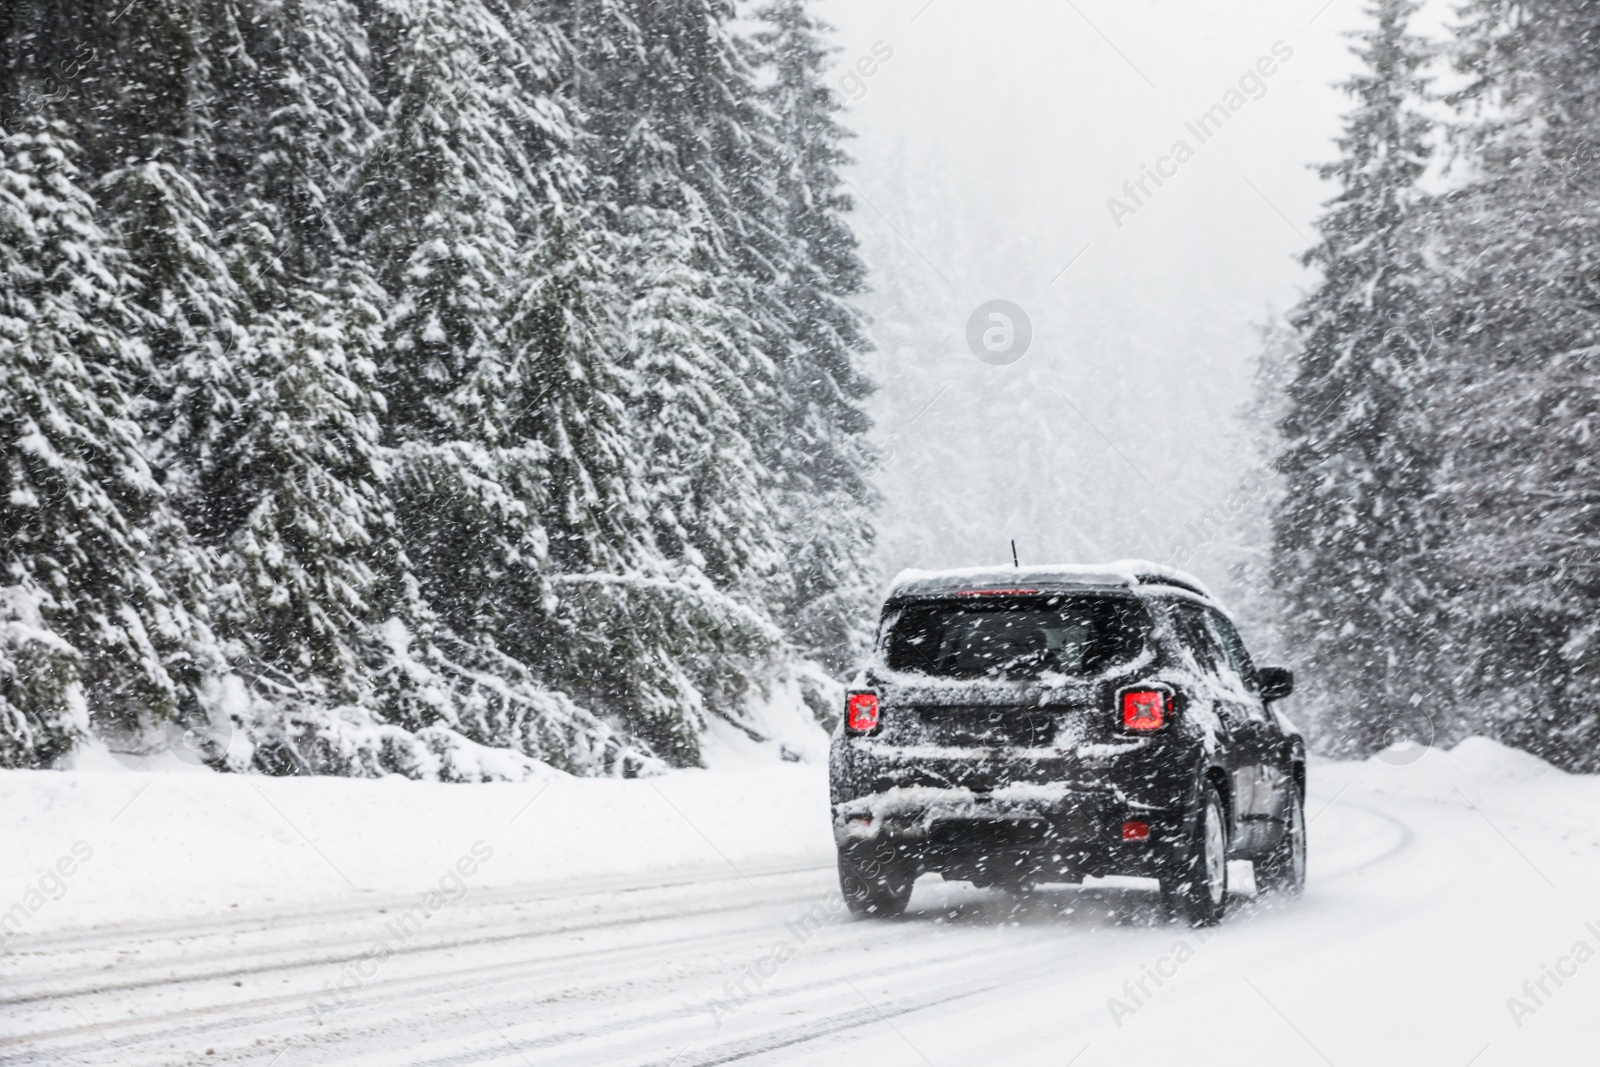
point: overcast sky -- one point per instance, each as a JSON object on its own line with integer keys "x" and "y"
{"x": 991, "y": 137}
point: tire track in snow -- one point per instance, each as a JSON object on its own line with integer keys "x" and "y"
{"x": 109, "y": 941}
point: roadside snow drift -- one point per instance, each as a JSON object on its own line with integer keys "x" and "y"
{"x": 153, "y": 845}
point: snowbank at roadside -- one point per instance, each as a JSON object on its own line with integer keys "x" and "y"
{"x": 174, "y": 840}
{"x": 104, "y": 843}
{"x": 1505, "y": 776}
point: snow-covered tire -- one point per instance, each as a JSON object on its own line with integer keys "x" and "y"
{"x": 1195, "y": 889}
{"x": 875, "y": 882}
{"x": 1283, "y": 870}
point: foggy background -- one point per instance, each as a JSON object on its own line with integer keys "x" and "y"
{"x": 989, "y": 142}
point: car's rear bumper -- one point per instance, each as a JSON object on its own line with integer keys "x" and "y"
{"x": 1055, "y": 811}
{"x": 1025, "y": 831}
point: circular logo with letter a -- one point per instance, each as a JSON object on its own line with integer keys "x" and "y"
{"x": 999, "y": 333}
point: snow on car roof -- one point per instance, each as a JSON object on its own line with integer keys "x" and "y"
{"x": 1122, "y": 574}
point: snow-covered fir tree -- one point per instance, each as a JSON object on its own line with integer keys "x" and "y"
{"x": 1353, "y": 541}
{"x": 273, "y": 445}
{"x": 437, "y": 217}
{"x": 680, "y": 114}
{"x": 439, "y": 199}
{"x": 818, "y": 445}
{"x": 676, "y": 131}
{"x": 1518, "y": 249}
{"x": 88, "y": 630}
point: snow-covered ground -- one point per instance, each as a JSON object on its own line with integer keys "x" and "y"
{"x": 170, "y": 838}
{"x": 691, "y": 919}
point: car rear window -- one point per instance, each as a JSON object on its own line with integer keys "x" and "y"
{"x": 1015, "y": 637}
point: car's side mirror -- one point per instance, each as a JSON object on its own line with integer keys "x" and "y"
{"x": 1276, "y": 682}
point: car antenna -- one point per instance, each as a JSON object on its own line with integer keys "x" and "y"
{"x": 1014, "y": 562}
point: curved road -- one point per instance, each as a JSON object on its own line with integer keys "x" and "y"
{"x": 1421, "y": 919}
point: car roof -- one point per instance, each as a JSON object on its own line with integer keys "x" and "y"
{"x": 1131, "y": 574}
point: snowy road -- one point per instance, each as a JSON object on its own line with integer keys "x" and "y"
{"x": 1423, "y": 916}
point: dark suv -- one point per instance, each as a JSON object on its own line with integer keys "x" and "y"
{"x": 1017, "y": 726}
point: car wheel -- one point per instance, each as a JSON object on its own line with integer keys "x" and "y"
{"x": 876, "y": 883}
{"x": 1195, "y": 889}
{"x": 1284, "y": 869}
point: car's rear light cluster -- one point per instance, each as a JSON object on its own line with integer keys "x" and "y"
{"x": 1135, "y": 831}
{"x": 997, "y": 592}
{"x": 861, "y": 713}
{"x": 1144, "y": 710}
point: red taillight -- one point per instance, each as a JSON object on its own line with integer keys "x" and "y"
{"x": 1144, "y": 709}
{"x": 1136, "y": 831}
{"x": 861, "y": 712}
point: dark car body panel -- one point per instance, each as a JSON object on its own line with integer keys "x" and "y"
{"x": 1033, "y": 779}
